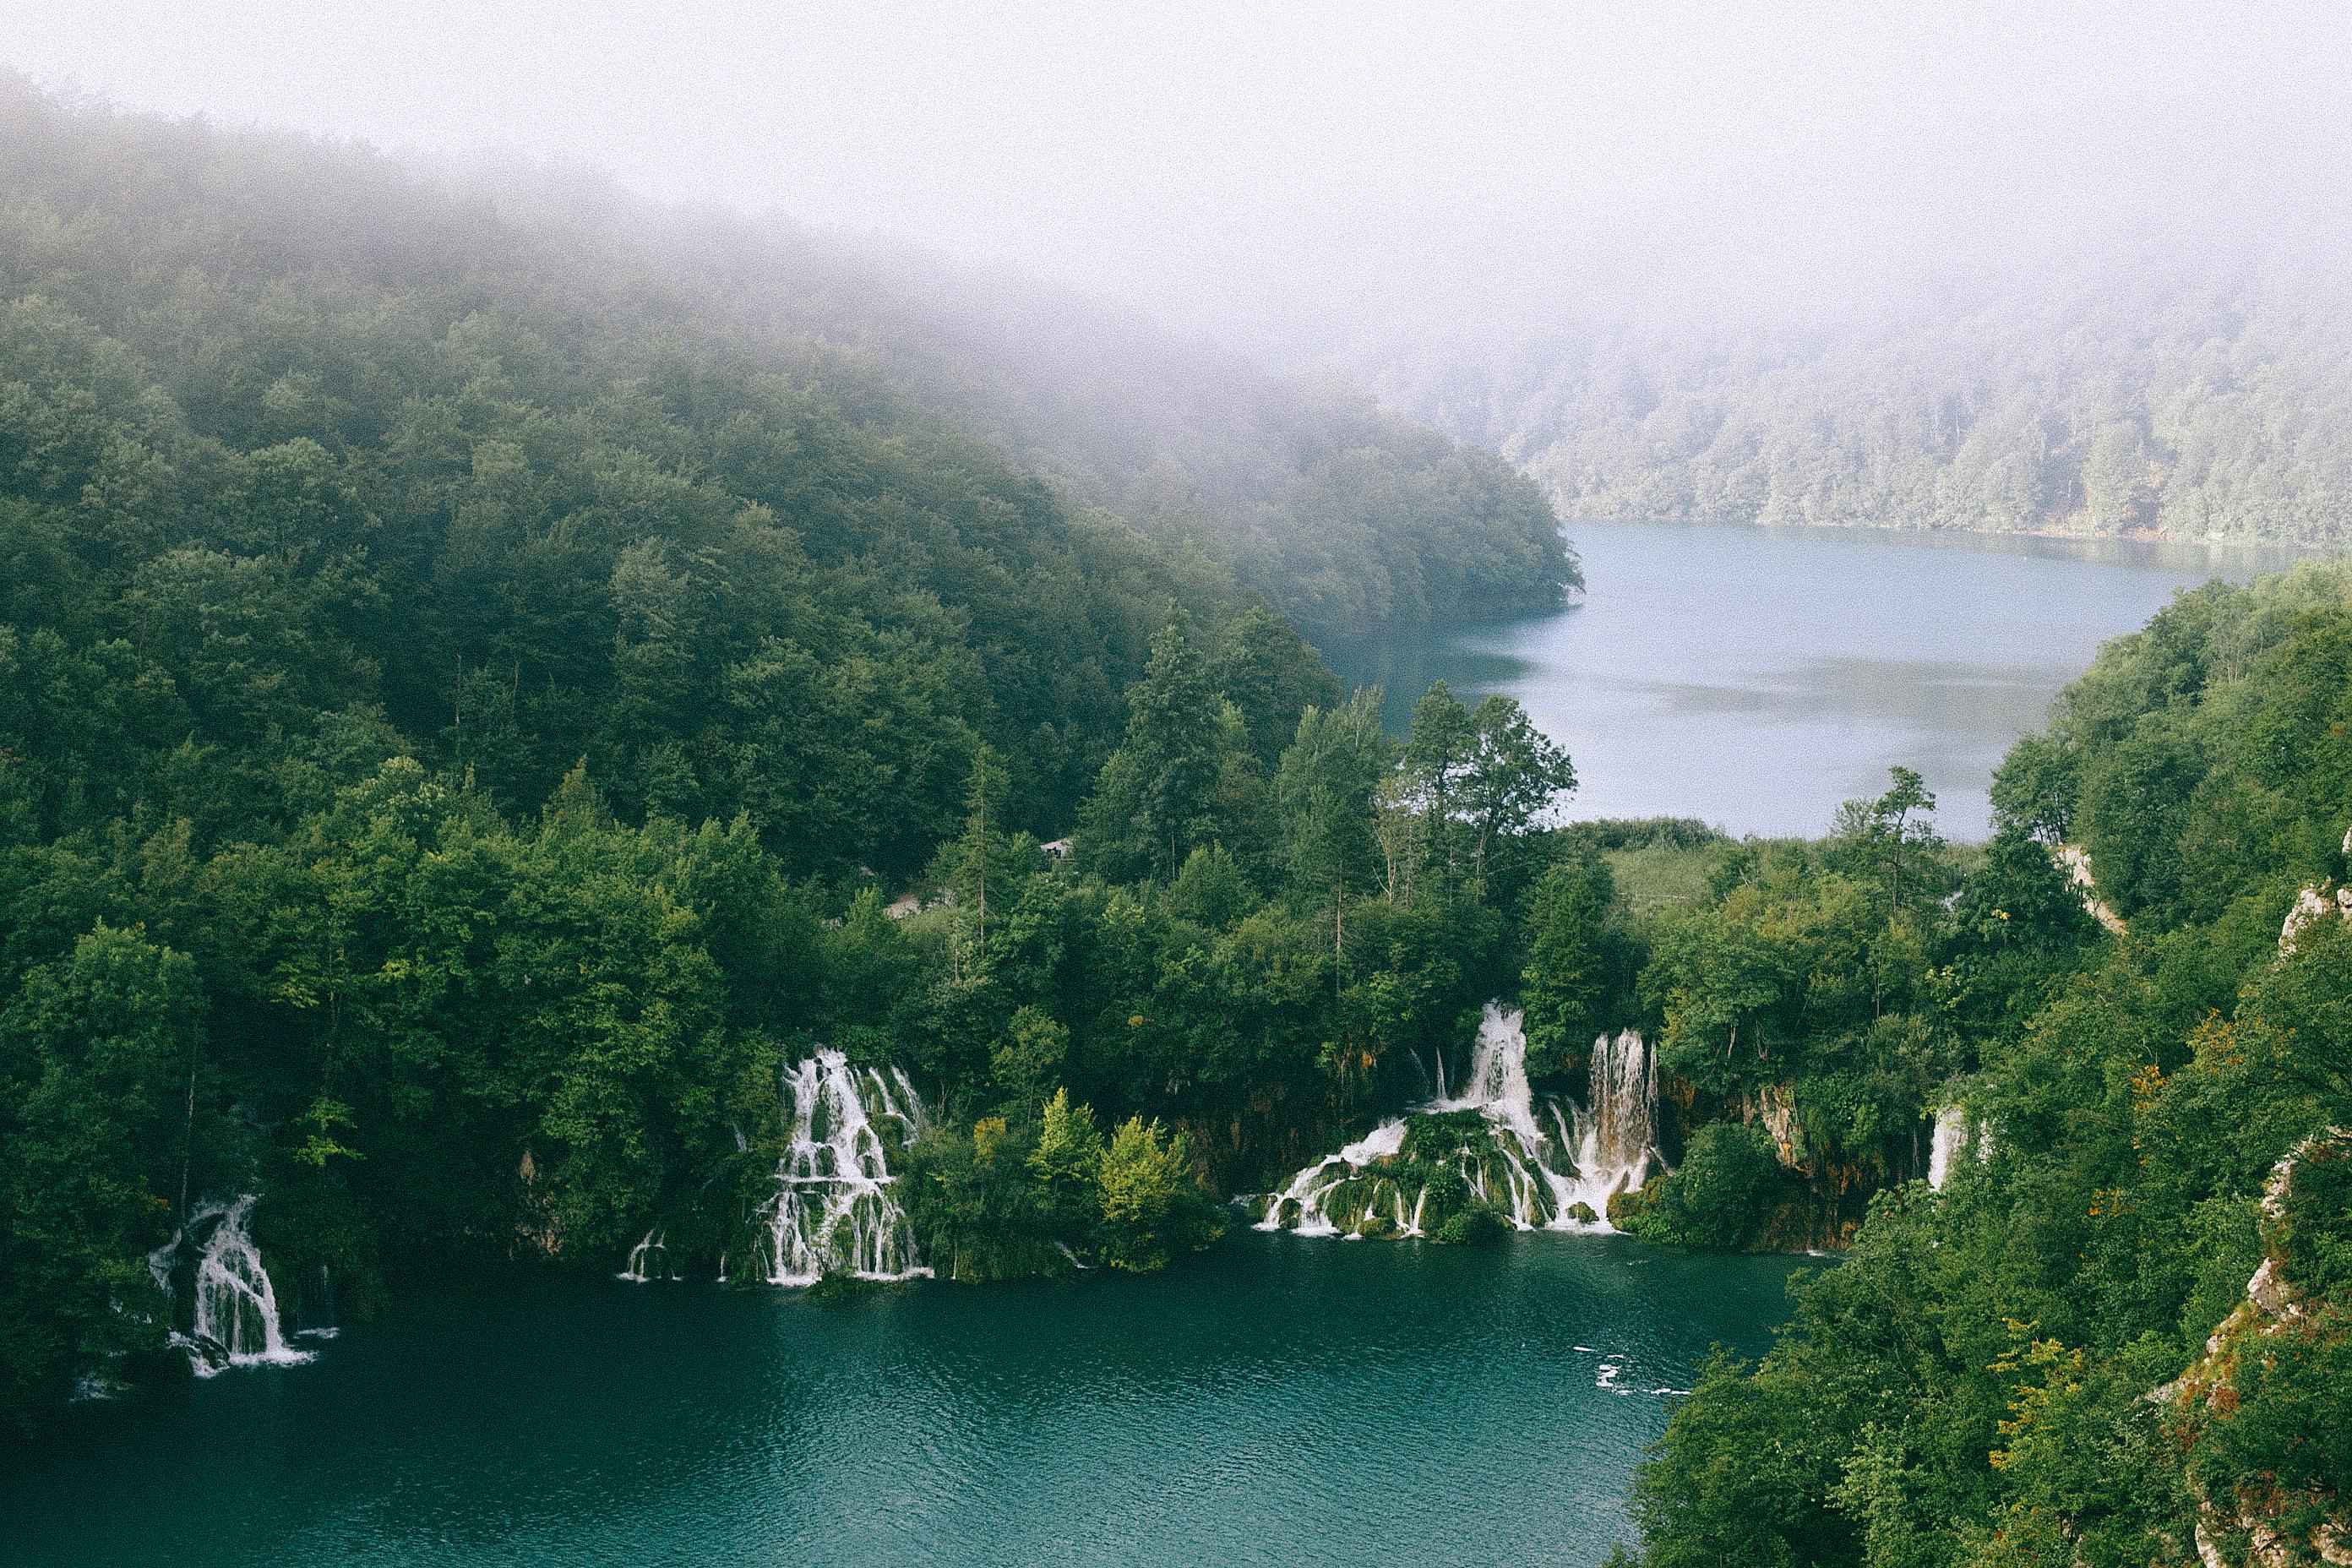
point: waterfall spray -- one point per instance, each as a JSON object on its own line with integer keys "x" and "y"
{"x": 834, "y": 1211}
{"x": 235, "y": 1321}
{"x": 649, "y": 1259}
{"x": 1951, "y": 1127}
{"x": 1303, "y": 1198}
{"x": 1540, "y": 1162}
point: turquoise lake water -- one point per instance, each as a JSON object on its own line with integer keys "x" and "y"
{"x": 1277, "y": 1401}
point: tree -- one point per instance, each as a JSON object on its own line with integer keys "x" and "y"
{"x": 1153, "y": 801}
{"x": 1325, "y": 793}
{"x": 1151, "y": 1206}
{"x": 1029, "y": 1055}
{"x": 1272, "y": 676}
{"x": 967, "y": 860}
{"x": 1895, "y": 836}
{"x": 1067, "y": 1165}
{"x": 1437, "y": 752}
{"x": 1513, "y": 775}
{"x": 99, "y": 1104}
{"x": 1719, "y": 1195}
{"x": 1570, "y": 967}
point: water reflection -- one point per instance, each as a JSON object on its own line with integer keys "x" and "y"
{"x": 1755, "y": 678}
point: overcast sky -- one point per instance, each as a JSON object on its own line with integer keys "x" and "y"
{"x": 1272, "y": 168}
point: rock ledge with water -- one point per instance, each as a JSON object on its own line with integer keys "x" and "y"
{"x": 1546, "y": 1161}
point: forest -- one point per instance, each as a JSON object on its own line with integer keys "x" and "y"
{"x": 466, "y": 694}
{"x": 2123, "y": 393}
{"x": 2121, "y": 1331}
{"x": 479, "y": 711}
{"x": 1343, "y": 517}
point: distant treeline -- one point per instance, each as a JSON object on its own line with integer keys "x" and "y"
{"x": 2119, "y": 401}
{"x": 1343, "y": 518}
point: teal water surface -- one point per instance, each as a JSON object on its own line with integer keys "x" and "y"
{"x": 1754, "y": 678}
{"x": 1277, "y": 1401}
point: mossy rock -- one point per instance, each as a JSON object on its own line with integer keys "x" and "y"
{"x": 1581, "y": 1213}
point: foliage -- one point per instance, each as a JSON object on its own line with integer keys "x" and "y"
{"x": 2116, "y": 396}
{"x": 1995, "y": 1372}
{"x": 1151, "y": 1206}
{"x": 1577, "y": 961}
{"x": 1720, "y": 1195}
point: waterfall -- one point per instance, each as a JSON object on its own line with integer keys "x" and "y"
{"x": 1951, "y": 1127}
{"x": 1307, "y": 1189}
{"x": 1953, "y": 1134}
{"x": 316, "y": 1308}
{"x": 649, "y": 1259}
{"x": 235, "y": 1321}
{"x": 832, "y": 1210}
{"x": 1539, "y": 1163}
{"x": 1617, "y": 1133}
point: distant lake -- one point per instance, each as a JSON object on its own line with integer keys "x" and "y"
{"x": 1754, "y": 678}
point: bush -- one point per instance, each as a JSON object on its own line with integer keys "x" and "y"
{"x": 1729, "y": 1181}
{"x": 1469, "y": 1227}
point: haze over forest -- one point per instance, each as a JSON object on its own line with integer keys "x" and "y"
{"x": 1287, "y": 177}
{"x": 684, "y": 644}
{"x": 1973, "y": 268}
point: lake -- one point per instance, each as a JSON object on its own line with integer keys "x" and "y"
{"x": 1754, "y": 678}
{"x": 1278, "y": 1400}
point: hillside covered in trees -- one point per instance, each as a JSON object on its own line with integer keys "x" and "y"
{"x": 1344, "y": 518}
{"x": 2121, "y": 1332}
{"x": 2126, "y": 396}
{"x": 467, "y": 686}
{"x": 469, "y": 700}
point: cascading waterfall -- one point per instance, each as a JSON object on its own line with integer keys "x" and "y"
{"x": 1953, "y": 1134}
{"x": 1543, "y": 1165}
{"x": 1616, "y": 1135}
{"x": 1951, "y": 1127}
{"x": 235, "y": 1321}
{"x": 1307, "y": 1189}
{"x": 649, "y": 1259}
{"x": 834, "y": 1211}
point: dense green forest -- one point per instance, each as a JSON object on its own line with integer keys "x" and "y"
{"x": 467, "y": 691}
{"x": 2124, "y": 396}
{"x": 477, "y": 711}
{"x": 2117, "y": 1335}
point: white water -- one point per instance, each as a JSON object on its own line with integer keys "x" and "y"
{"x": 1587, "y": 1155}
{"x": 1953, "y": 1134}
{"x": 1309, "y": 1189}
{"x": 237, "y": 1322}
{"x": 649, "y": 1259}
{"x": 1951, "y": 1128}
{"x": 834, "y": 1211}
{"x": 1617, "y": 1129}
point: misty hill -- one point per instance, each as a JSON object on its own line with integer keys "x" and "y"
{"x": 2131, "y": 397}
{"x": 1343, "y": 517}
{"x": 304, "y": 463}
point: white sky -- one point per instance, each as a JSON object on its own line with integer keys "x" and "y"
{"x": 1261, "y": 168}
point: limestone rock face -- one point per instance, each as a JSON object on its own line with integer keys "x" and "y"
{"x": 2311, "y": 906}
{"x": 1778, "y": 1111}
{"x": 2255, "y": 1522}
